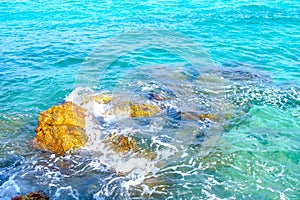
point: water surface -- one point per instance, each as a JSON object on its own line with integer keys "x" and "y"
{"x": 254, "y": 44}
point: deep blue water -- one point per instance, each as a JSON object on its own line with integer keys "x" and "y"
{"x": 43, "y": 50}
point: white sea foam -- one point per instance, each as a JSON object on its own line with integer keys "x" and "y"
{"x": 9, "y": 188}
{"x": 96, "y": 143}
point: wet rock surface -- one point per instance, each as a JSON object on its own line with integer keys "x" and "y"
{"x": 61, "y": 128}
{"x": 143, "y": 110}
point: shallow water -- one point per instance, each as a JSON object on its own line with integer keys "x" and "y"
{"x": 253, "y": 47}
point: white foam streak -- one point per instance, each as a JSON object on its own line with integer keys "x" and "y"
{"x": 9, "y": 187}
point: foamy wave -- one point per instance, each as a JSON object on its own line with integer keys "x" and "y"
{"x": 97, "y": 132}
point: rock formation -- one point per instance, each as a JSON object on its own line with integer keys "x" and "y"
{"x": 143, "y": 110}
{"x": 61, "y": 128}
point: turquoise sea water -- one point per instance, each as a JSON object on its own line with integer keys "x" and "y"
{"x": 43, "y": 49}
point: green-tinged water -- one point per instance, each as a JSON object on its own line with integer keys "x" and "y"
{"x": 238, "y": 60}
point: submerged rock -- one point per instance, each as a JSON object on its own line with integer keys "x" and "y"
{"x": 134, "y": 110}
{"x": 155, "y": 96}
{"x": 122, "y": 144}
{"x": 61, "y": 128}
{"x": 40, "y": 195}
{"x": 127, "y": 144}
{"x": 143, "y": 110}
{"x": 240, "y": 73}
{"x": 98, "y": 98}
{"x": 196, "y": 116}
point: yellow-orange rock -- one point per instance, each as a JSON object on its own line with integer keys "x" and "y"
{"x": 143, "y": 110}
{"x": 61, "y": 128}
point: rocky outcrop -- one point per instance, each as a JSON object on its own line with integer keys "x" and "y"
{"x": 61, "y": 128}
{"x": 40, "y": 195}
